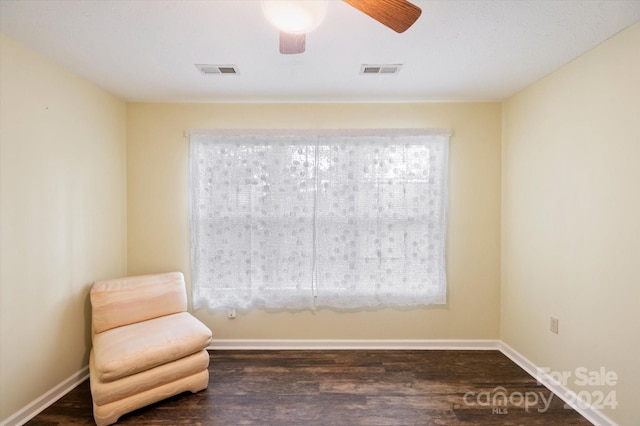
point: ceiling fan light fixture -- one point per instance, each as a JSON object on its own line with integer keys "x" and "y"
{"x": 295, "y": 16}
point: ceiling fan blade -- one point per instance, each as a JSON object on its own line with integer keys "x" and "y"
{"x": 292, "y": 43}
{"x": 398, "y": 15}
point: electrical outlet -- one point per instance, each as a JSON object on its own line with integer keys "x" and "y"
{"x": 231, "y": 313}
{"x": 553, "y": 325}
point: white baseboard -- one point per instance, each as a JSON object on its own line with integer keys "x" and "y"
{"x": 590, "y": 413}
{"x": 328, "y": 344}
{"x": 39, "y": 405}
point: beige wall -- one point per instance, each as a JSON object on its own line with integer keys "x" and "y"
{"x": 571, "y": 219}
{"x": 62, "y": 218}
{"x": 158, "y": 227}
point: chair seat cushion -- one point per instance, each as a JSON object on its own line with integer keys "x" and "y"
{"x": 130, "y": 349}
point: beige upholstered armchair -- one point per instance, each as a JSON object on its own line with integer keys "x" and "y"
{"x": 146, "y": 346}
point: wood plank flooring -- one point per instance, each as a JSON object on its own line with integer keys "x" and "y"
{"x": 346, "y": 388}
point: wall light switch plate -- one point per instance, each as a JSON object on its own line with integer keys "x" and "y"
{"x": 553, "y": 326}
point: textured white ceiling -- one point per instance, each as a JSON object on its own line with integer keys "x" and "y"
{"x": 145, "y": 50}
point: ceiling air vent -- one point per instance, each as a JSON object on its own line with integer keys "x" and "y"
{"x": 380, "y": 69}
{"x": 209, "y": 69}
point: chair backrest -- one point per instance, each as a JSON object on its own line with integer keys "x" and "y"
{"x": 123, "y": 301}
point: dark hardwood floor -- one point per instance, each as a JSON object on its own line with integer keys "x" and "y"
{"x": 346, "y": 388}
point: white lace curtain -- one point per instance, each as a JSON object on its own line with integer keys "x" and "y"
{"x": 310, "y": 219}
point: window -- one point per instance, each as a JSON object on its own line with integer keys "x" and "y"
{"x": 341, "y": 219}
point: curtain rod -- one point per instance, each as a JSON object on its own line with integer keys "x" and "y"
{"x": 320, "y": 132}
